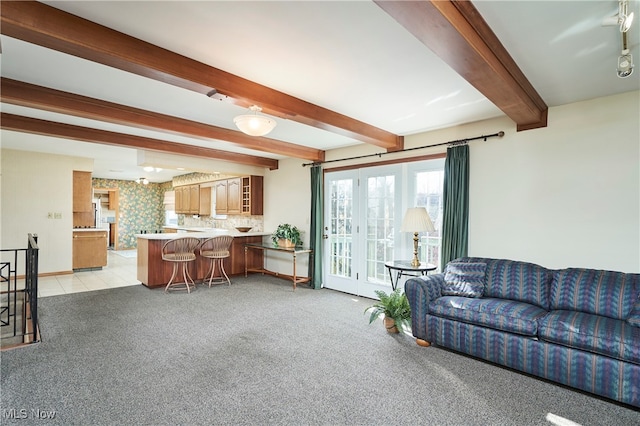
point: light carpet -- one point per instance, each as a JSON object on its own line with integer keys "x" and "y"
{"x": 258, "y": 353}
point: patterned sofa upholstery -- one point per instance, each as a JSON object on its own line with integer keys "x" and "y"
{"x": 579, "y": 327}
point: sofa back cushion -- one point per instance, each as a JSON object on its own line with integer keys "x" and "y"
{"x": 464, "y": 279}
{"x": 634, "y": 316}
{"x": 514, "y": 280}
{"x": 607, "y": 293}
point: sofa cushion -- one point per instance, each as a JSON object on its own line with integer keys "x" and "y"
{"x": 634, "y": 316}
{"x": 608, "y": 293}
{"x": 464, "y": 279}
{"x": 500, "y": 314}
{"x": 510, "y": 279}
{"x": 594, "y": 333}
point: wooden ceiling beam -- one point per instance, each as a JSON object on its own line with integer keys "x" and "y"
{"x": 39, "y": 97}
{"x": 49, "y": 27}
{"x": 36, "y": 126}
{"x": 457, "y": 33}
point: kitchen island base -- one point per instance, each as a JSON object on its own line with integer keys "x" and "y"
{"x": 153, "y": 272}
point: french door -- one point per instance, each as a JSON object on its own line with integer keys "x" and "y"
{"x": 361, "y": 220}
{"x": 363, "y": 213}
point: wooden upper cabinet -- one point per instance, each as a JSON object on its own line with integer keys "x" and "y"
{"x": 113, "y": 200}
{"x": 241, "y": 195}
{"x": 205, "y": 201}
{"x": 234, "y": 194}
{"x": 221, "y": 196}
{"x": 178, "y": 200}
{"x": 82, "y": 192}
{"x": 252, "y": 198}
{"x": 183, "y": 199}
{"x": 194, "y": 199}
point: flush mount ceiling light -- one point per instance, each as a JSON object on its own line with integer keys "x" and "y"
{"x": 151, "y": 168}
{"x": 623, "y": 19}
{"x": 254, "y": 124}
{"x": 143, "y": 181}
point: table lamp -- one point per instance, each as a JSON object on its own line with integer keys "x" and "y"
{"x": 416, "y": 220}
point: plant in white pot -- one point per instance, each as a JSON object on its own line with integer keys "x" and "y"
{"x": 286, "y": 236}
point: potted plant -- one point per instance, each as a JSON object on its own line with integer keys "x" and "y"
{"x": 396, "y": 310}
{"x": 286, "y": 236}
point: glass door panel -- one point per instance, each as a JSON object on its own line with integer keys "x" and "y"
{"x": 340, "y": 226}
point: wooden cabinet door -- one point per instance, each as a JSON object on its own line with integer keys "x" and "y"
{"x": 183, "y": 199}
{"x": 221, "y": 197}
{"x": 194, "y": 199}
{"x": 113, "y": 200}
{"x": 82, "y": 192}
{"x": 234, "y": 196}
{"x": 178, "y": 200}
{"x": 89, "y": 249}
{"x": 205, "y": 201}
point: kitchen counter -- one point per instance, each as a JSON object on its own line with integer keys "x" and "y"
{"x": 200, "y": 233}
{"x": 155, "y": 272}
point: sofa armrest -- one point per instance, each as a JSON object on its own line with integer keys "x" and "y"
{"x": 420, "y": 292}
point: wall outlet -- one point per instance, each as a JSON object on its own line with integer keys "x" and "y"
{"x": 57, "y": 215}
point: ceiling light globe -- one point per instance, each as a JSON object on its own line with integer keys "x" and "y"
{"x": 254, "y": 124}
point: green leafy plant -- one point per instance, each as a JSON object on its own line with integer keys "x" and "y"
{"x": 287, "y": 232}
{"x": 394, "y": 305}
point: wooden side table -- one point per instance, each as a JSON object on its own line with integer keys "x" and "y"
{"x": 404, "y": 267}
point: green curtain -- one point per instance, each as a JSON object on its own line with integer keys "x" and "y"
{"x": 455, "y": 221}
{"x": 315, "y": 237}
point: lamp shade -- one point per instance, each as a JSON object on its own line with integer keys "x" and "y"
{"x": 254, "y": 124}
{"x": 416, "y": 219}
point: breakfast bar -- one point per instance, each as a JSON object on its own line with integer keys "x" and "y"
{"x": 153, "y": 272}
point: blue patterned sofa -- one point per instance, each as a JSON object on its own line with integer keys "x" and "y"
{"x": 578, "y": 327}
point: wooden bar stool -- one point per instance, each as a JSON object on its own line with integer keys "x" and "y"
{"x": 216, "y": 249}
{"x": 180, "y": 251}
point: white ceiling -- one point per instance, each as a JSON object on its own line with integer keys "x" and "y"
{"x": 347, "y": 56}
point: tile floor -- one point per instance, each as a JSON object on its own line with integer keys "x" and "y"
{"x": 120, "y": 271}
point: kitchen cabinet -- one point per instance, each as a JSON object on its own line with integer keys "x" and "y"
{"x": 221, "y": 196}
{"x": 82, "y": 192}
{"x": 233, "y": 196}
{"x": 204, "y": 209}
{"x": 178, "y": 200}
{"x": 242, "y": 195}
{"x": 193, "y": 199}
{"x": 183, "y": 199}
{"x": 113, "y": 200}
{"x": 89, "y": 249}
{"x": 252, "y": 200}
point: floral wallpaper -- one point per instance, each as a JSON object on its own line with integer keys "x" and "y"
{"x": 140, "y": 208}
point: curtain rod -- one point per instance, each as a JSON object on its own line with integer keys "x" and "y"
{"x": 380, "y": 154}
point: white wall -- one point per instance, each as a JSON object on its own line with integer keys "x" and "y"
{"x": 34, "y": 184}
{"x": 565, "y": 195}
{"x": 287, "y": 200}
